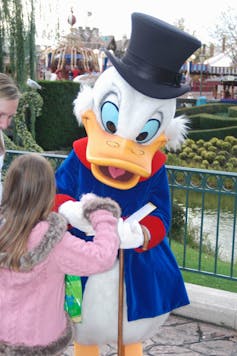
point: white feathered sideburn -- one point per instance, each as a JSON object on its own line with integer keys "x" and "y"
{"x": 176, "y": 132}
{"x": 83, "y": 102}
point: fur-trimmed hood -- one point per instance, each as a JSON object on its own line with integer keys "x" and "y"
{"x": 55, "y": 232}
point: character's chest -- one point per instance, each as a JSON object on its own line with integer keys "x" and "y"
{"x": 129, "y": 200}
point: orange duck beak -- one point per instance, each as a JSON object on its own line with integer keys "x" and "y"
{"x": 116, "y": 161}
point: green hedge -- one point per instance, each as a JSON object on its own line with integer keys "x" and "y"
{"x": 208, "y": 134}
{"x": 57, "y": 126}
{"x": 207, "y": 108}
{"x": 232, "y": 112}
{"x": 211, "y": 120}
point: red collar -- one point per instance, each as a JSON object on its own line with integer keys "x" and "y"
{"x": 79, "y": 147}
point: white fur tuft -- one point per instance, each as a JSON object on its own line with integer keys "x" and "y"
{"x": 83, "y": 102}
{"x": 176, "y": 132}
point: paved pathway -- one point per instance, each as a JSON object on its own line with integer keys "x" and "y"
{"x": 180, "y": 336}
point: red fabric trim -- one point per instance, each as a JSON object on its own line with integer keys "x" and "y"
{"x": 157, "y": 231}
{"x": 79, "y": 147}
{"x": 158, "y": 161}
{"x": 60, "y": 199}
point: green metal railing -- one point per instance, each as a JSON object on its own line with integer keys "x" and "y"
{"x": 208, "y": 201}
{"x": 55, "y": 159}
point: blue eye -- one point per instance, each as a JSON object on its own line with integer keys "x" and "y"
{"x": 109, "y": 115}
{"x": 149, "y": 130}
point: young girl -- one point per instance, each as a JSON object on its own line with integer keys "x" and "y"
{"x": 36, "y": 252}
{"x": 9, "y": 99}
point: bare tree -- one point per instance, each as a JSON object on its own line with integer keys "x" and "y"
{"x": 226, "y": 33}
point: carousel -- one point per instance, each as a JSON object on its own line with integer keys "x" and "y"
{"x": 73, "y": 58}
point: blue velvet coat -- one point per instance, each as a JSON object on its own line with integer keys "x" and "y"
{"x": 154, "y": 284}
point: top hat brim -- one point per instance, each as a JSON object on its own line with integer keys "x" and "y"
{"x": 138, "y": 80}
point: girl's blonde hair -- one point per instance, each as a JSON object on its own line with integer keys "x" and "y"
{"x": 28, "y": 198}
{"x": 8, "y": 88}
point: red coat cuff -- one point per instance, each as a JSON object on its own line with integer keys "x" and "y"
{"x": 60, "y": 199}
{"x": 156, "y": 229}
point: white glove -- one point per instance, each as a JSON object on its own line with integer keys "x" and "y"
{"x": 130, "y": 234}
{"x": 73, "y": 212}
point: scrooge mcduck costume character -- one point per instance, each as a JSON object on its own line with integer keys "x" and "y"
{"x": 129, "y": 117}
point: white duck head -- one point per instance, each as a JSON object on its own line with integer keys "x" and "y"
{"x": 125, "y": 129}
{"x": 129, "y": 114}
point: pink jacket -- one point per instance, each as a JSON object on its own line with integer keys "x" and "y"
{"x": 32, "y": 317}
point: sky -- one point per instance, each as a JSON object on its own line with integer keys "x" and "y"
{"x": 114, "y": 17}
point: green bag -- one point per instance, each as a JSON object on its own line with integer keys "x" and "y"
{"x": 73, "y": 297}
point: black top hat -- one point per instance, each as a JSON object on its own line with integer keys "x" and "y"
{"x": 155, "y": 54}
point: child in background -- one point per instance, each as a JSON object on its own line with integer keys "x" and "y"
{"x": 9, "y": 100}
{"x": 36, "y": 252}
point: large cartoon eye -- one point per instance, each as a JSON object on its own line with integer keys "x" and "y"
{"x": 149, "y": 130}
{"x": 109, "y": 116}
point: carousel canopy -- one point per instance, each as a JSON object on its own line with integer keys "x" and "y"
{"x": 220, "y": 60}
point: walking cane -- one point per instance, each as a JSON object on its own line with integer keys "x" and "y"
{"x": 138, "y": 215}
{"x": 120, "y": 305}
